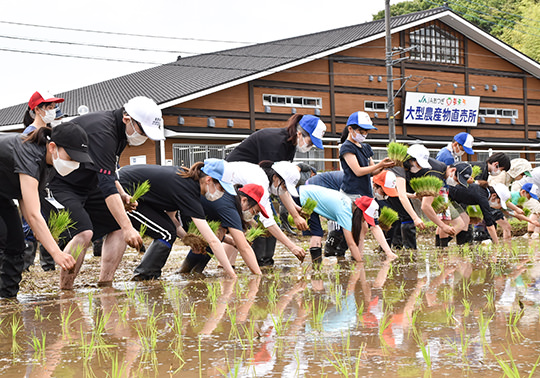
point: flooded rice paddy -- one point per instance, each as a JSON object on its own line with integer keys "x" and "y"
{"x": 472, "y": 311}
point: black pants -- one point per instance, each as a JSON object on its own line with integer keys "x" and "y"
{"x": 408, "y": 229}
{"x": 11, "y": 249}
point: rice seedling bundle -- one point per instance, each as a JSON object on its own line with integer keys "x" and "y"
{"x": 143, "y": 229}
{"x": 439, "y": 204}
{"x": 195, "y": 240}
{"x": 139, "y": 190}
{"x": 475, "y": 214}
{"x": 290, "y": 219}
{"x": 76, "y": 253}
{"x": 397, "y": 152}
{"x": 59, "y": 221}
{"x": 521, "y": 201}
{"x": 387, "y": 217}
{"x": 427, "y": 186}
{"x": 476, "y": 170}
{"x": 308, "y": 207}
{"x": 255, "y": 232}
{"x": 526, "y": 211}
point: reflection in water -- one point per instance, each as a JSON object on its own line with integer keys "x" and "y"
{"x": 456, "y": 312}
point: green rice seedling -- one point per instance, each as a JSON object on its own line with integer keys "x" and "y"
{"x": 318, "y": 309}
{"x": 142, "y": 229}
{"x": 466, "y": 307}
{"x": 450, "y": 310}
{"x": 38, "y": 344}
{"x": 308, "y": 207}
{"x": 342, "y": 360}
{"x": 290, "y": 219}
{"x": 65, "y": 318}
{"x": 475, "y": 214}
{"x": 521, "y": 200}
{"x": 279, "y": 324}
{"x": 249, "y": 332}
{"x": 483, "y": 327}
{"x": 427, "y": 186}
{"x": 460, "y": 350}
{"x": 16, "y": 326}
{"x": 526, "y": 211}
{"x": 148, "y": 332}
{"x": 90, "y": 302}
{"x": 119, "y": 368}
{"x": 37, "y": 315}
{"x": 272, "y": 294}
{"x": 476, "y": 170}
{"x": 59, "y": 222}
{"x": 510, "y": 368}
{"x": 192, "y": 314}
{"x": 387, "y": 217}
{"x": 194, "y": 239}
{"x": 77, "y": 252}
{"x": 397, "y": 152}
{"x": 426, "y": 353}
{"x": 255, "y": 232}
{"x": 439, "y": 204}
{"x": 137, "y": 191}
{"x": 214, "y": 290}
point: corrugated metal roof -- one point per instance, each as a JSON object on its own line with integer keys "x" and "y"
{"x": 188, "y": 76}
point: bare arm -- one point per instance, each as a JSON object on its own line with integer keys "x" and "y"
{"x": 245, "y": 250}
{"x": 116, "y": 207}
{"x": 31, "y": 209}
{"x": 401, "y": 186}
{"x": 299, "y": 221}
{"x": 352, "y": 162}
{"x": 279, "y": 235}
{"x": 430, "y": 213}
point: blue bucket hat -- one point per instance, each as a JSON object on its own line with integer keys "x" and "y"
{"x": 215, "y": 168}
{"x": 315, "y": 128}
{"x": 361, "y": 119}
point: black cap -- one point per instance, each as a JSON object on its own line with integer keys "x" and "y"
{"x": 73, "y": 139}
{"x": 463, "y": 172}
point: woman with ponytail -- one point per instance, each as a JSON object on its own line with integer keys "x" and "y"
{"x": 41, "y": 111}
{"x": 26, "y": 164}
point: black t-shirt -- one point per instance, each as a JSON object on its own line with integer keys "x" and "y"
{"x": 223, "y": 210}
{"x": 473, "y": 195}
{"x": 168, "y": 190}
{"x": 106, "y": 141}
{"x": 19, "y": 157}
{"x": 353, "y": 184}
{"x": 266, "y": 144}
{"x": 330, "y": 180}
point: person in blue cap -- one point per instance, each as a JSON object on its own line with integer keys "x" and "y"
{"x": 462, "y": 143}
{"x": 356, "y": 157}
{"x": 173, "y": 190}
{"x": 530, "y": 192}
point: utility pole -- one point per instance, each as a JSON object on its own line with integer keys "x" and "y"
{"x": 389, "y": 74}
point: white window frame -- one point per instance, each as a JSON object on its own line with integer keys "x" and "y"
{"x": 434, "y": 45}
{"x": 498, "y": 113}
{"x": 373, "y": 106}
{"x": 292, "y": 101}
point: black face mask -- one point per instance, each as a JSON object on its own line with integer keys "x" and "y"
{"x": 407, "y": 164}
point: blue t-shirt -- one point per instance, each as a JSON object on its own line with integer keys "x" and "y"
{"x": 330, "y": 179}
{"x": 331, "y": 204}
{"x": 223, "y": 210}
{"x": 445, "y": 156}
{"x": 353, "y": 184}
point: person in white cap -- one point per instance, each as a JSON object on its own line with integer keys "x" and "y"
{"x": 92, "y": 194}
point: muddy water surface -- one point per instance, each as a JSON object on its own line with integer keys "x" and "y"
{"x": 461, "y": 312}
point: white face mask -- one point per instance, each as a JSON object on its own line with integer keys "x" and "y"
{"x": 380, "y": 196}
{"x": 247, "y": 216}
{"x": 451, "y": 181}
{"x": 64, "y": 167}
{"x": 359, "y": 138}
{"x": 494, "y": 204}
{"x": 459, "y": 153}
{"x": 276, "y": 190}
{"x": 496, "y": 172}
{"x": 215, "y": 195}
{"x": 135, "y": 139}
{"x": 304, "y": 147}
{"x": 49, "y": 116}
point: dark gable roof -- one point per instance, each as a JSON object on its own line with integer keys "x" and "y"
{"x": 191, "y": 75}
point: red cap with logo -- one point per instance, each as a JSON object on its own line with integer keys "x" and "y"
{"x": 369, "y": 207}
{"x": 42, "y": 96}
{"x": 255, "y": 192}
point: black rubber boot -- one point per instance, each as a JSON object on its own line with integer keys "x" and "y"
{"x": 465, "y": 236}
{"x": 335, "y": 245}
{"x": 153, "y": 261}
{"x": 264, "y": 250}
{"x": 96, "y": 247}
{"x": 11, "y": 267}
{"x": 408, "y": 235}
{"x": 445, "y": 241}
{"x": 316, "y": 256}
{"x": 194, "y": 262}
{"x": 29, "y": 254}
{"x": 437, "y": 241}
{"x": 46, "y": 260}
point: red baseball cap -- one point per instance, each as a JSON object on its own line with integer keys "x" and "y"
{"x": 369, "y": 207}
{"x": 387, "y": 180}
{"x": 255, "y": 192}
{"x": 41, "y": 97}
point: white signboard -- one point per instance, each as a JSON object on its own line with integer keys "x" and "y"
{"x": 441, "y": 109}
{"x": 134, "y": 160}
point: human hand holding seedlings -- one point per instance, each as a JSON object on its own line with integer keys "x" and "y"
{"x": 386, "y": 163}
{"x": 418, "y": 222}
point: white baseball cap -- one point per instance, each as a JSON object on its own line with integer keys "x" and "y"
{"x": 503, "y": 193}
{"x": 536, "y": 176}
{"x": 145, "y": 111}
{"x": 290, "y": 173}
{"x": 421, "y": 154}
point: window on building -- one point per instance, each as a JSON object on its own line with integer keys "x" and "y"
{"x": 435, "y": 45}
{"x": 292, "y": 101}
{"x": 376, "y": 106}
{"x": 498, "y": 113}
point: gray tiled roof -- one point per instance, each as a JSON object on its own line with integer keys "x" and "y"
{"x": 190, "y": 75}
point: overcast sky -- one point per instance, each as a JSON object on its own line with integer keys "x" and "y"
{"x": 189, "y": 25}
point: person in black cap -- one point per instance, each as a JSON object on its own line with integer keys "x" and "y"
{"x": 26, "y": 164}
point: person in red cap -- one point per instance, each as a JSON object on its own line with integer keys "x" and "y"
{"x": 25, "y": 166}
{"x": 41, "y": 111}
{"x": 337, "y": 206}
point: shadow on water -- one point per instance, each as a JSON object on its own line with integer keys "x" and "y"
{"x": 472, "y": 311}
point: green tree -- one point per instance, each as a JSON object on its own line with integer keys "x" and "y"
{"x": 525, "y": 34}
